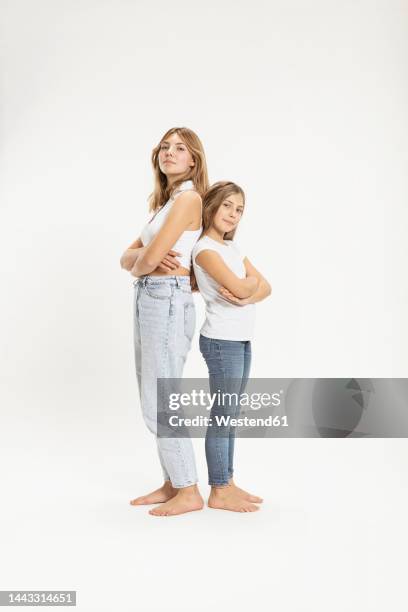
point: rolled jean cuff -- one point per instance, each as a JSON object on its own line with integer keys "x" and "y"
{"x": 183, "y": 486}
{"x": 218, "y": 484}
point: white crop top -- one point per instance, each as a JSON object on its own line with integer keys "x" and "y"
{"x": 188, "y": 238}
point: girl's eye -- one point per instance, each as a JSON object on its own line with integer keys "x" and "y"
{"x": 164, "y": 146}
{"x": 226, "y": 204}
{"x": 180, "y": 149}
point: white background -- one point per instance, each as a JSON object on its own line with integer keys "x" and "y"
{"x": 304, "y": 105}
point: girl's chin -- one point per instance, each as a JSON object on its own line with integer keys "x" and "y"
{"x": 171, "y": 171}
{"x": 222, "y": 230}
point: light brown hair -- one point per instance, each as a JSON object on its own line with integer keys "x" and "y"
{"x": 198, "y": 173}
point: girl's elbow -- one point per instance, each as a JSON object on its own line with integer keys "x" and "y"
{"x": 124, "y": 264}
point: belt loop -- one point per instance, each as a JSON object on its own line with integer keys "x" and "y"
{"x": 178, "y": 282}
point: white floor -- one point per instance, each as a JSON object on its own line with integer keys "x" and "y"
{"x": 331, "y": 534}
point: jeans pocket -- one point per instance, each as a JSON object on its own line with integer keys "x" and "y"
{"x": 189, "y": 320}
{"x": 159, "y": 291}
{"x": 205, "y": 345}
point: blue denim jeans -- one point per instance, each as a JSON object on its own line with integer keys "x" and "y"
{"x": 164, "y": 324}
{"x": 228, "y": 363}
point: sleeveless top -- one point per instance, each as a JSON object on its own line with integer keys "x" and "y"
{"x": 188, "y": 238}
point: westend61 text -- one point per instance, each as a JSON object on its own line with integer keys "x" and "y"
{"x": 224, "y": 421}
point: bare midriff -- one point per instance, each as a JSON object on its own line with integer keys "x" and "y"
{"x": 180, "y": 271}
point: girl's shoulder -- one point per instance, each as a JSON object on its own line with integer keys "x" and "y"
{"x": 183, "y": 187}
{"x": 214, "y": 244}
{"x": 185, "y": 196}
{"x": 204, "y": 244}
{"x": 201, "y": 243}
{"x": 206, "y": 241}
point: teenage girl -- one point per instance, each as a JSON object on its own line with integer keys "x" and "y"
{"x": 230, "y": 286}
{"x": 164, "y": 312}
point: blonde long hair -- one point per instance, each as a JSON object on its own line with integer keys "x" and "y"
{"x": 198, "y": 173}
{"x": 212, "y": 200}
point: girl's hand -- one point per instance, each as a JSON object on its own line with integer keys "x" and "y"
{"x": 169, "y": 262}
{"x": 230, "y": 297}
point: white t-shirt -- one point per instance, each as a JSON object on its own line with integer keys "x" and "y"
{"x": 223, "y": 320}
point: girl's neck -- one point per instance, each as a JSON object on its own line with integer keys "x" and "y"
{"x": 173, "y": 179}
{"x": 215, "y": 234}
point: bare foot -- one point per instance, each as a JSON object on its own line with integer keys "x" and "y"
{"x": 227, "y": 498}
{"x": 158, "y": 496}
{"x": 187, "y": 499}
{"x": 245, "y": 494}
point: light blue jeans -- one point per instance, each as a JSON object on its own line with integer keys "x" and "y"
{"x": 229, "y": 363}
{"x": 164, "y": 324}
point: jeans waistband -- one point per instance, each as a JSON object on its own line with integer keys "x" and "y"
{"x": 179, "y": 281}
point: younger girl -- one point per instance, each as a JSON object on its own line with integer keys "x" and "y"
{"x": 230, "y": 286}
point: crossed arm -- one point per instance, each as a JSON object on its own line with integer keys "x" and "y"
{"x": 158, "y": 254}
{"x": 136, "y": 249}
{"x": 240, "y": 291}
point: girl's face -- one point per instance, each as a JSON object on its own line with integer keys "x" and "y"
{"x": 229, "y": 213}
{"x": 174, "y": 157}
